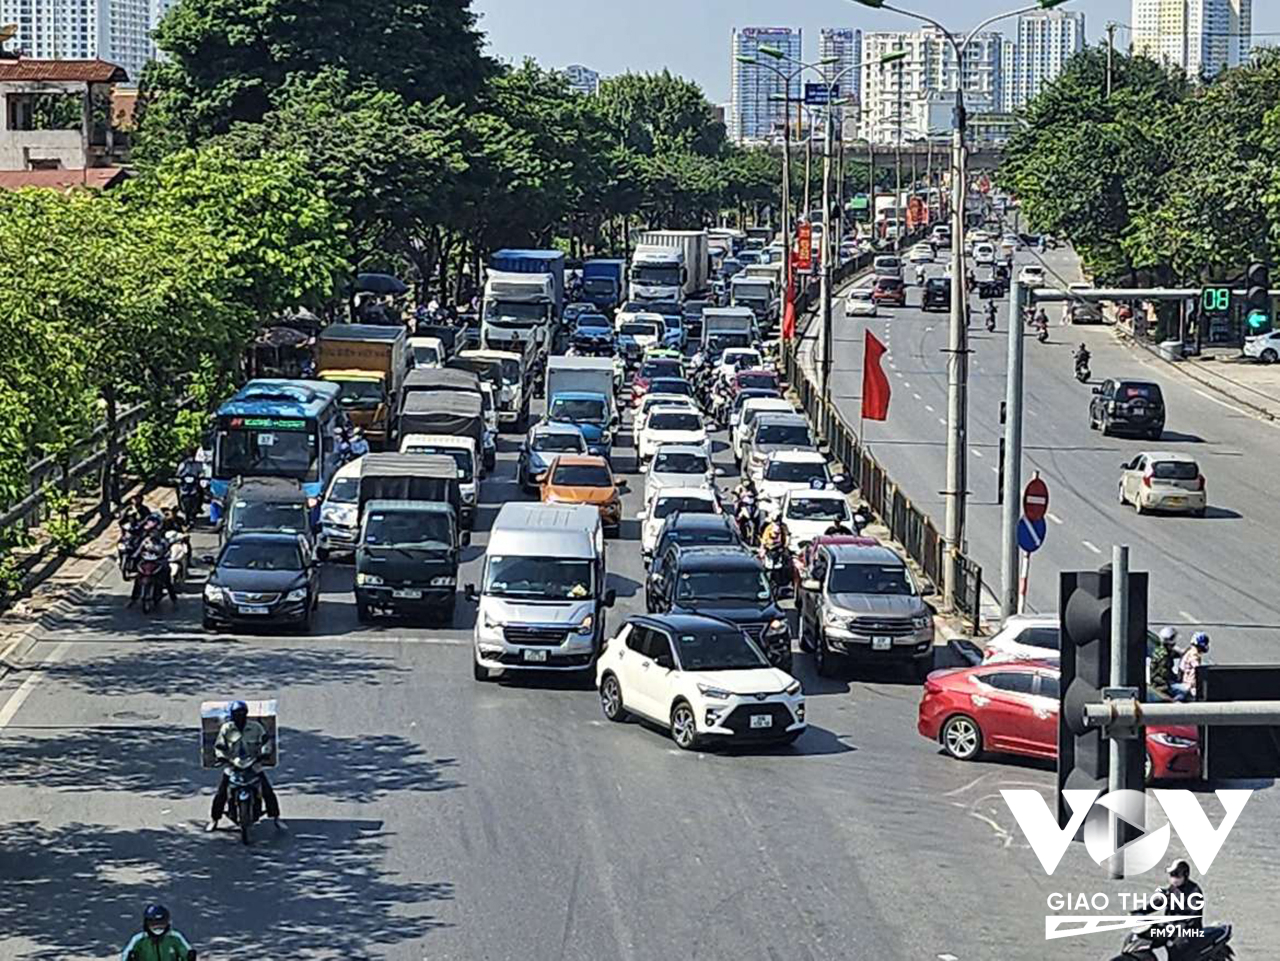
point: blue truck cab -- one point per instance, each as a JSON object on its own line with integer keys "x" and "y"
{"x": 604, "y": 283}
{"x": 590, "y": 412}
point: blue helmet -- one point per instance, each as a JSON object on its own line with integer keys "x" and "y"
{"x": 155, "y": 916}
{"x": 237, "y": 710}
{"x": 1201, "y": 640}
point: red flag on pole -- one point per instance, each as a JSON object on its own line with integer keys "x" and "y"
{"x": 875, "y": 385}
{"x": 789, "y": 310}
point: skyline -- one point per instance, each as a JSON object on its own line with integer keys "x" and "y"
{"x": 692, "y": 40}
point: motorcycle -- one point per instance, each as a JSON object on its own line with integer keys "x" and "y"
{"x": 991, "y": 321}
{"x": 150, "y": 584}
{"x": 126, "y": 549}
{"x": 1213, "y": 945}
{"x": 179, "y": 556}
{"x": 747, "y": 515}
{"x": 777, "y": 564}
{"x": 861, "y": 518}
{"x": 777, "y": 649}
{"x": 192, "y": 491}
{"x": 244, "y": 798}
{"x": 1042, "y": 334}
{"x": 1082, "y": 371}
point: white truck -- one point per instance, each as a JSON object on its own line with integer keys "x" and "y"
{"x": 730, "y": 326}
{"x": 759, "y": 294}
{"x": 669, "y": 265}
{"x": 517, "y": 307}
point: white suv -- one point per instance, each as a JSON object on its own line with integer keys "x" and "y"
{"x": 700, "y": 677}
{"x": 1025, "y": 637}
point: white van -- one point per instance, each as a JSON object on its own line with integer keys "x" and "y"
{"x": 340, "y": 512}
{"x": 542, "y": 595}
{"x": 427, "y": 351}
{"x": 463, "y": 451}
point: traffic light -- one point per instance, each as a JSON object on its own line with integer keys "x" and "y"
{"x": 1257, "y": 299}
{"x": 1084, "y": 613}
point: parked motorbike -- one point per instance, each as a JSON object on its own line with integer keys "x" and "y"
{"x": 244, "y": 797}
{"x": 1213, "y": 945}
{"x": 861, "y": 518}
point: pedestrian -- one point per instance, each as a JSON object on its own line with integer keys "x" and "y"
{"x": 1189, "y": 666}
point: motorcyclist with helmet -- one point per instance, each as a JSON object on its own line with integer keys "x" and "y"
{"x": 1182, "y": 898}
{"x": 242, "y": 737}
{"x": 1164, "y": 662}
{"x": 157, "y": 941}
{"x": 152, "y": 545}
{"x": 1189, "y": 666}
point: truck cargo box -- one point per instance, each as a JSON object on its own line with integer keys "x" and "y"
{"x": 410, "y": 477}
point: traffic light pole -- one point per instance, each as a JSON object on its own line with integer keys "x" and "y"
{"x": 1011, "y": 502}
{"x": 1127, "y": 715}
{"x": 1118, "y": 756}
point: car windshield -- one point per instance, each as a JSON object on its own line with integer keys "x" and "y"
{"x": 817, "y": 509}
{"x": 460, "y": 457}
{"x": 680, "y": 462}
{"x": 261, "y": 556}
{"x": 582, "y": 475}
{"x": 862, "y": 293}
{"x": 548, "y": 578}
{"x": 426, "y": 357}
{"x": 660, "y": 368}
{"x": 762, "y": 380}
{"x": 666, "y": 506}
{"x": 794, "y": 434}
{"x": 735, "y": 584}
{"x": 260, "y": 516}
{"x": 671, "y": 385}
{"x": 585, "y": 410}
{"x": 722, "y": 651}
{"x": 1049, "y": 638}
{"x": 674, "y": 420}
{"x": 430, "y": 529}
{"x": 345, "y": 490}
{"x": 697, "y": 536}
{"x": 870, "y": 579}
{"x": 1175, "y": 470}
{"x": 359, "y": 394}
{"x": 796, "y": 472}
{"x": 267, "y": 453}
{"x": 559, "y": 443}
{"x": 736, "y": 357}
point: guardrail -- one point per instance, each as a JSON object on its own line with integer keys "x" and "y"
{"x": 907, "y": 524}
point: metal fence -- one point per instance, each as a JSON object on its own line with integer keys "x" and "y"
{"x": 907, "y": 524}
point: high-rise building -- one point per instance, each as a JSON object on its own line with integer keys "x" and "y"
{"x": 1046, "y": 40}
{"x": 844, "y": 47}
{"x": 582, "y": 79}
{"x": 118, "y": 31}
{"x": 1202, "y": 37}
{"x": 914, "y": 97}
{"x": 1008, "y": 68}
{"x": 754, "y": 113}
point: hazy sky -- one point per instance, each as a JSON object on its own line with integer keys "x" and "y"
{"x": 691, "y": 37}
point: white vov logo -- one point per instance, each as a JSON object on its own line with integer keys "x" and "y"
{"x": 1049, "y": 842}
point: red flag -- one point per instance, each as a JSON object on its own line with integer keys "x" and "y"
{"x": 789, "y": 310}
{"x": 875, "y": 385}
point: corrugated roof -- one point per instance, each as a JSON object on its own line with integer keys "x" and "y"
{"x": 95, "y": 178}
{"x": 26, "y": 69}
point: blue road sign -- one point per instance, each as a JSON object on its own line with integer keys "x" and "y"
{"x": 819, "y": 94}
{"x": 1030, "y": 535}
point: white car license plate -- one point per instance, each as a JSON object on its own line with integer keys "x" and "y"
{"x": 1176, "y": 501}
{"x": 535, "y": 656}
{"x": 408, "y": 594}
{"x": 762, "y": 720}
{"x": 253, "y": 609}
{"x": 881, "y": 643}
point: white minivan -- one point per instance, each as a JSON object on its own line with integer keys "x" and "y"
{"x": 543, "y": 594}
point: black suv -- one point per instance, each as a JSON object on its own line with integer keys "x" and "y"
{"x": 937, "y": 294}
{"x": 1127, "y": 407}
{"x": 728, "y": 582}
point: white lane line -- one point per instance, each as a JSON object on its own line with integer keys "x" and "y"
{"x": 906, "y": 383}
{"x": 929, "y": 408}
{"x": 1092, "y": 547}
{"x": 1221, "y": 403}
{"x": 917, "y": 396}
{"x": 995, "y": 470}
{"x": 897, "y": 373}
{"x": 24, "y": 691}
{"x": 976, "y": 452}
{"x": 1189, "y": 618}
{"x": 942, "y": 421}
{"x": 1054, "y": 517}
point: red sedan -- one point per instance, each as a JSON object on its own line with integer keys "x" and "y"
{"x": 801, "y": 560}
{"x": 1012, "y": 708}
{"x": 755, "y": 378}
{"x": 890, "y": 291}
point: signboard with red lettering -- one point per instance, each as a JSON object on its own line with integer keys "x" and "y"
{"x": 804, "y": 247}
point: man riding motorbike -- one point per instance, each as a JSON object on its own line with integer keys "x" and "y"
{"x": 1164, "y": 662}
{"x": 1183, "y": 897}
{"x": 240, "y": 737}
{"x": 152, "y": 545}
{"x": 1041, "y": 324}
{"x": 991, "y": 315}
{"x": 157, "y": 941}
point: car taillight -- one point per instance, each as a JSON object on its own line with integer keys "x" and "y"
{"x": 1146, "y": 480}
{"x": 1200, "y": 482}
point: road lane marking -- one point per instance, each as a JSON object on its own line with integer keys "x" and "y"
{"x": 917, "y": 397}
{"x": 1221, "y": 403}
{"x": 1054, "y": 517}
{"x": 1190, "y": 618}
{"x": 942, "y": 421}
{"x": 929, "y": 408}
{"x": 906, "y": 383}
{"x": 976, "y": 452}
{"x": 24, "y": 690}
{"x": 995, "y": 470}
{"x": 1092, "y": 547}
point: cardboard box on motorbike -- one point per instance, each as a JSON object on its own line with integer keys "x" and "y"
{"x": 213, "y": 714}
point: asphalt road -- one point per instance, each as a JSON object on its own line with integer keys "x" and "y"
{"x": 434, "y": 817}
{"x": 1208, "y": 573}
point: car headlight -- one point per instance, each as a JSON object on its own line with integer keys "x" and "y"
{"x": 588, "y": 623}
{"x": 297, "y": 594}
{"x": 834, "y": 618}
{"x": 368, "y": 580}
{"x": 794, "y": 688}
{"x": 1172, "y": 740}
{"x": 490, "y": 624}
{"x": 214, "y": 594}
{"x": 921, "y": 621}
{"x": 715, "y": 693}
{"x": 776, "y": 625}
{"x": 443, "y": 581}
{"x": 606, "y": 437}
{"x": 342, "y": 515}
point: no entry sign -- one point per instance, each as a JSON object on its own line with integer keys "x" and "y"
{"x": 1035, "y": 500}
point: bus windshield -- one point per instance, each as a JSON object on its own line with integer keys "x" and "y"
{"x": 281, "y": 450}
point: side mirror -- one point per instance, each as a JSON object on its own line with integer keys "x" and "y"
{"x": 931, "y": 608}
{"x": 621, "y": 484}
{"x": 470, "y": 593}
{"x": 642, "y": 515}
{"x": 208, "y": 559}
{"x": 843, "y": 482}
{"x": 610, "y": 597}
{"x": 465, "y": 539}
{"x": 665, "y": 661}
{"x": 810, "y": 584}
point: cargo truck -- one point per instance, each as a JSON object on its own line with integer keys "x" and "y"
{"x": 368, "y": 364}
{"x": 757, "y": 293}
{"x": 730, "y": 327}
{"x": 580, "y": 392}
{"x": 523, "y": 297}
{"x": 669, "y": 265}
{"x": 604, "y": 284}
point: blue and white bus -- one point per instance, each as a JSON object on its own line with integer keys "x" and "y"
{"x": 278, "y": 428}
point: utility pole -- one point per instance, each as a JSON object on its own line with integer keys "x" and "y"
{"x": 871, "y": 183}
{"x": 1119, "y": 671}
{"x": 958, "y": 359}
{"x": 1011, "y": 502}
{"x": 825, "y": 291}
{"x": 898, "y": 212}
{"x": 1111, "y": 49}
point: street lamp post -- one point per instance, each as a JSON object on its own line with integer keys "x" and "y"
{"x": 957, "y": 345}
